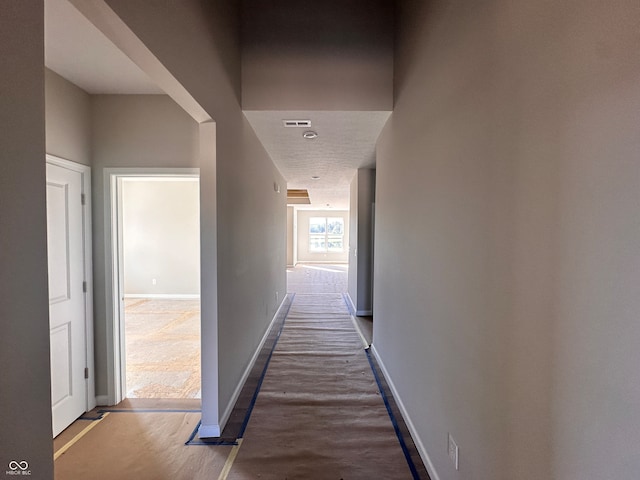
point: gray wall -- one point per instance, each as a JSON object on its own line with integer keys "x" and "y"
{"x": 506, "y": 257}
{"x": 161, "y": 237}
{"x": 332, "y": 55}
{"x": 68, "y": 119}
{"x": 352, "y": 274}
{"x": 24, "y": 307}
{"x": 360, "y": 281}
{"x": 114, "y": 131}
{"x": 304, "y": 255}
{"x": 290, "y": 232}
{"x": 131, "y": 131}
{"x": 199, "y": 43}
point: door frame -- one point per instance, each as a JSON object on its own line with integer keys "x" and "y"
{"x": 87, "y": 258}
{"x": 114, "y": 288}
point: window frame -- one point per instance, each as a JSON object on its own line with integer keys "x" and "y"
{"x": 322, "y": 234}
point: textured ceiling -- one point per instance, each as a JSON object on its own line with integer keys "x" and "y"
{"x": 79, "y": 52}
{"x": 346, "y": 141}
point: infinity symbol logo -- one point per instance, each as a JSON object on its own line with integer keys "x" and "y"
{"x": 13, "y": 465}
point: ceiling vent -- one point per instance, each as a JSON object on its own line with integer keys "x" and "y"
{"x": 297, "y": 123}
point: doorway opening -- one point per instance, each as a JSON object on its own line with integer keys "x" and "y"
{"x": 156, "y": 239}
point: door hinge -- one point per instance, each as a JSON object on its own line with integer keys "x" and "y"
{"x": 84, "y": 287}
{"x": 82, "y": 199}
{"x": 86, "y": 372}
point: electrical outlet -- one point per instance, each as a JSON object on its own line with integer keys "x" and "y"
{"x": 453, "y": 451}
{"x": 153, "y": 281}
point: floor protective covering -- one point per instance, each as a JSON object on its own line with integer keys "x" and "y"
{"x": 319, "y": 414}
{"x": 143, "y": 441}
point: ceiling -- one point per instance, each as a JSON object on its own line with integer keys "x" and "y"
{"x": 79, "y": 52}
{"x": 346, "y": 141}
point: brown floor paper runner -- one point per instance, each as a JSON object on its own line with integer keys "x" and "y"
{"x": 319, "y": 414}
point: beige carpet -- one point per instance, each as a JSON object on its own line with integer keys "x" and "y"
{"x": 319, "y": 414}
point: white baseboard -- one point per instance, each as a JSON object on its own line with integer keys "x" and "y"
{"x": 407, "y": 419}
{"x": 163, "y": 295}
{"x": 359, "y": 313}
{"x": 209, "y": 431}
{"x": 355, "y": 323}
{"x": 365, "y": 344}
{"x": 236, "y": 393}
{"x": 102, "y": 400}
{"x": 352, "y": 305}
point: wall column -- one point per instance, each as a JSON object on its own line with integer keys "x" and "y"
{"x": 25, "y": 401}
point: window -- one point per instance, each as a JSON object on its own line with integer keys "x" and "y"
{"x": 326, "y": 234}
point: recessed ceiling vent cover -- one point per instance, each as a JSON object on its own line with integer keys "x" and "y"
{"x": 296, "y": 123}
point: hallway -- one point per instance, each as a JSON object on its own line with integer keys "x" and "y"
{"x": 318, "y": 414}
{"x": 501, "y": 141}
{"x": 326, "y": 278}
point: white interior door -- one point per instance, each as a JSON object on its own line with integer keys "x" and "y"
{"x": 66, "y": 295}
